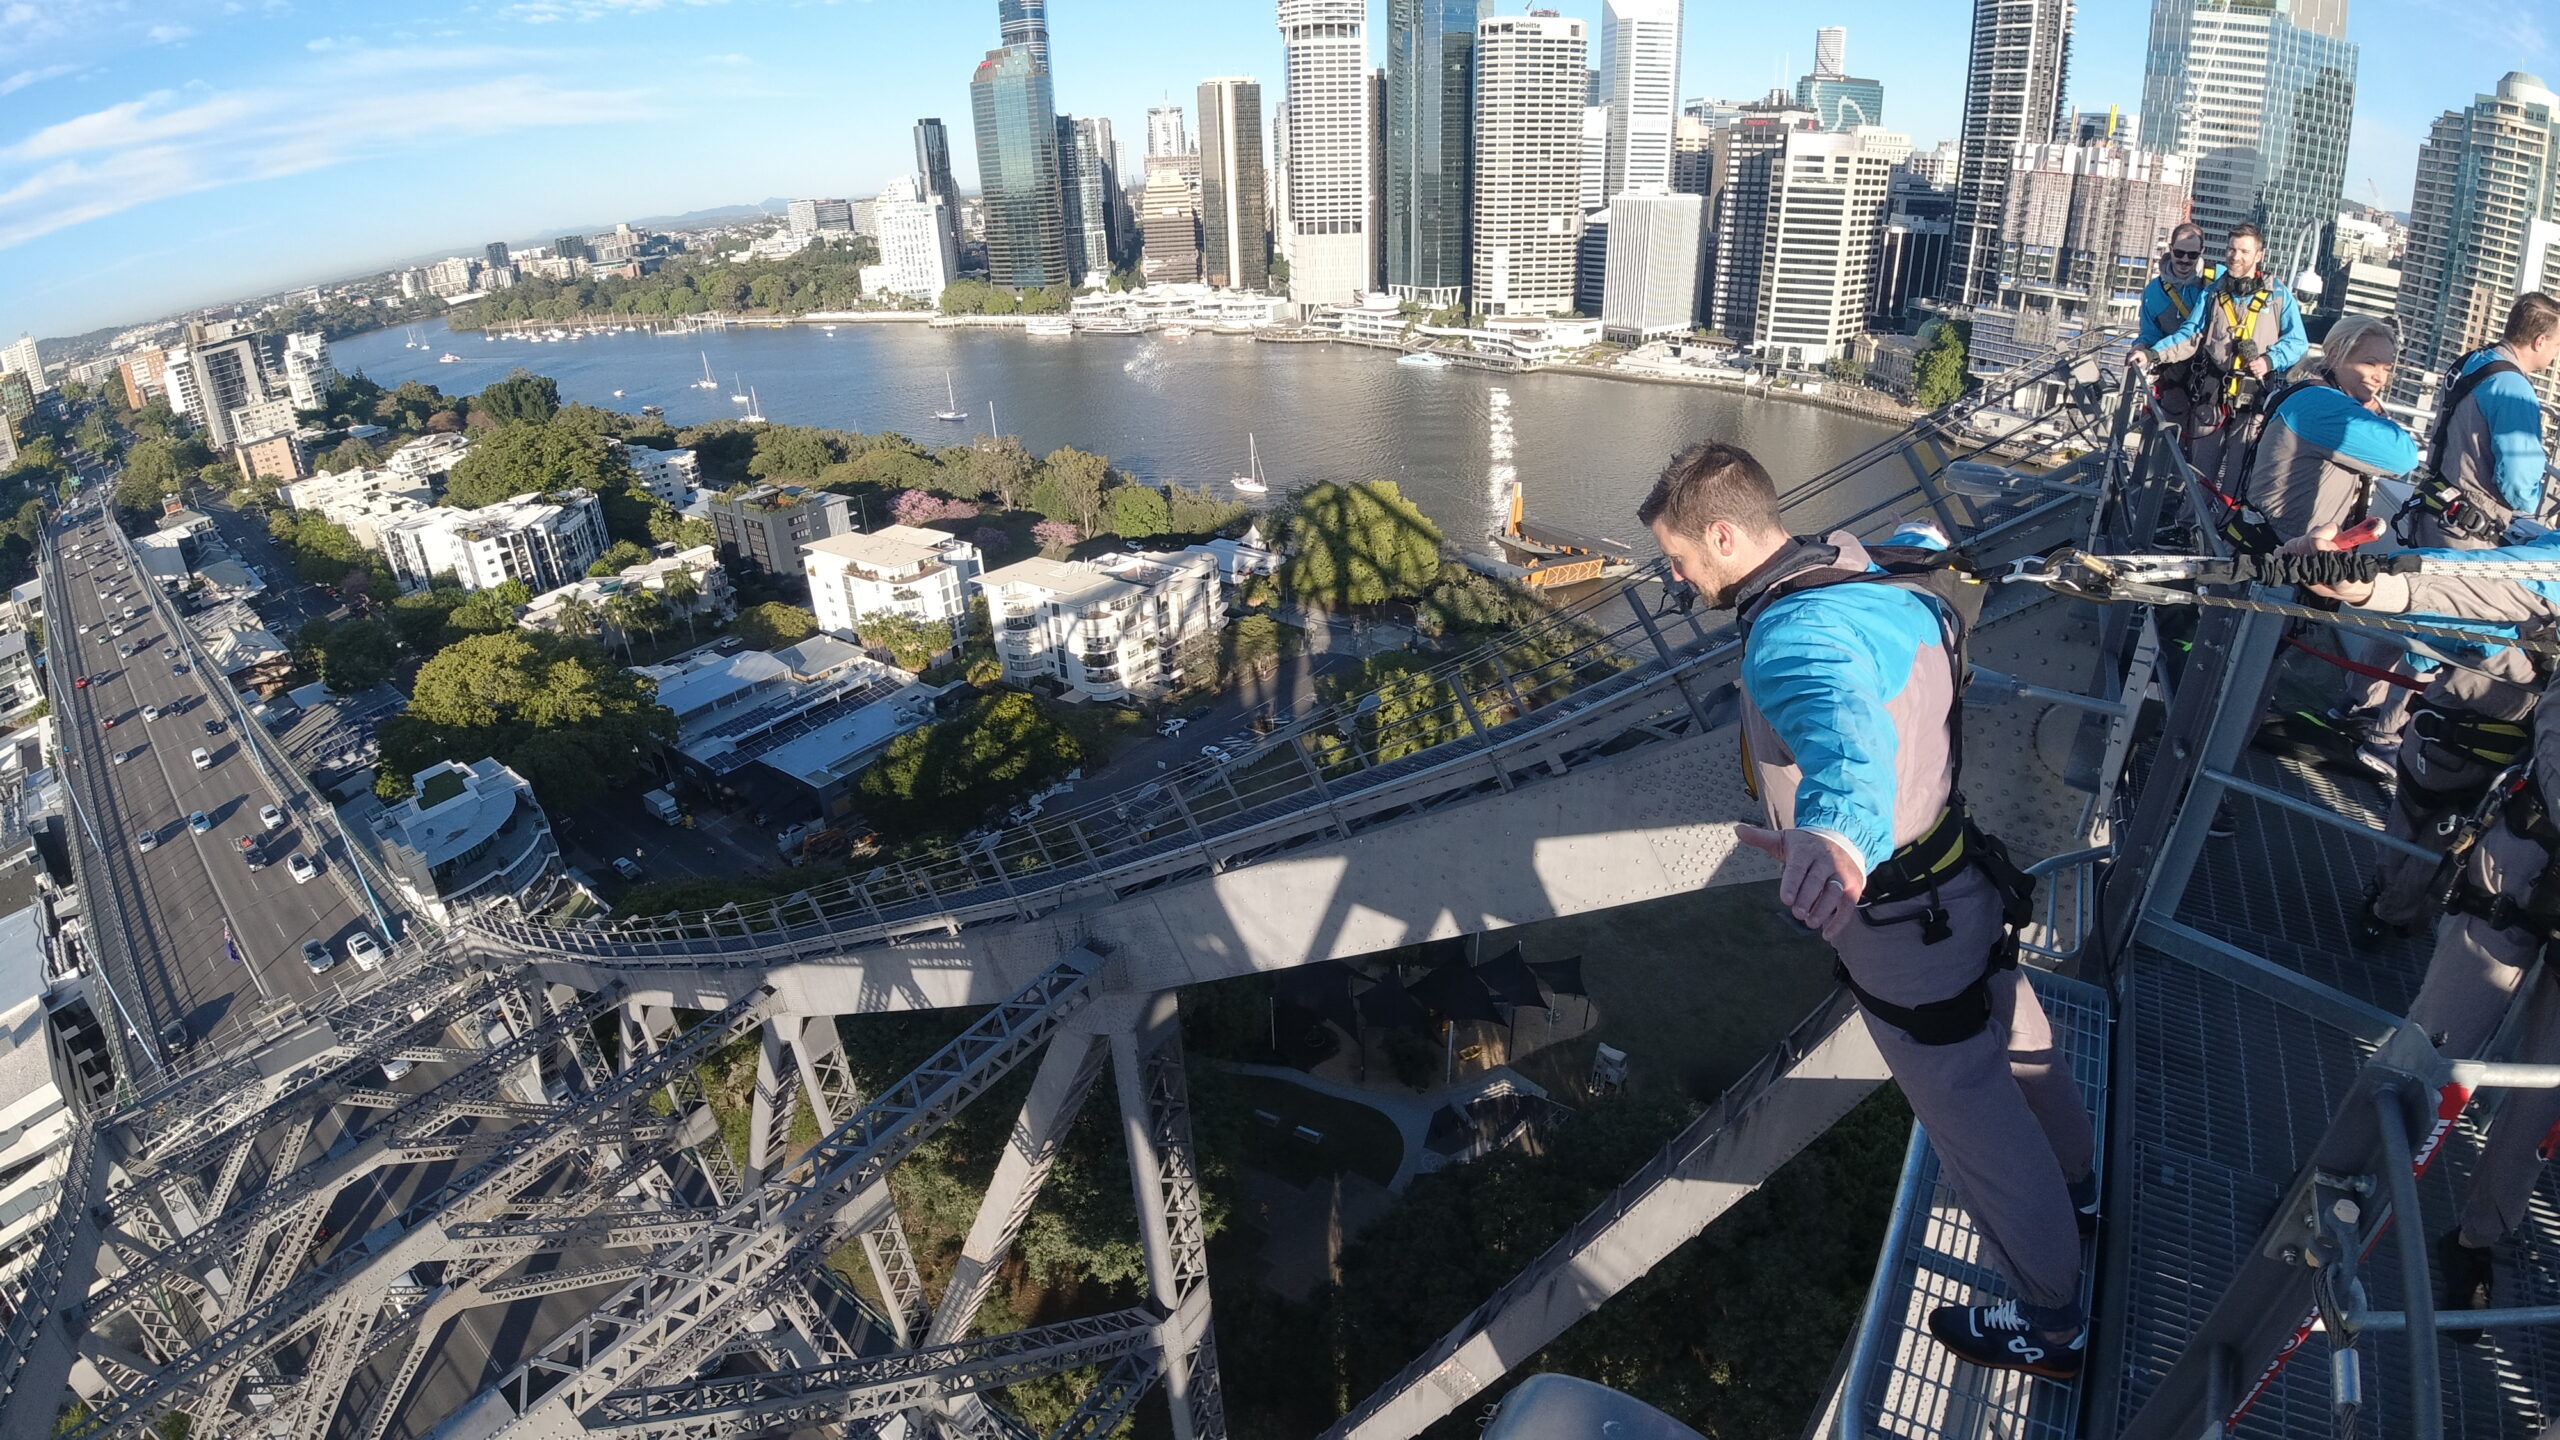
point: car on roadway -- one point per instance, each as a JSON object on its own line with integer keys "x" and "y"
{"x": 124, "y": 755}
{"x": 107, "y": 724}
{"x": 1215, "y": 755}
{"x": 363, "y": 949}
{"x": 168, "y": 652}
{"x": 147, "y": 841}
{"x": 178, "y": 669}
{"x": 80, "y": 683}
{"x": 270, "y": 817}
{"x": 150, "y": 712}
{"x": 627, "y": 868}
{"x": 254, "y": 854}
{"x": 213, "y": 727}
{"x": 317, "y": 956}
{"x": 301, "y": 868}
{"x": 392, "y": 1070}
{"x": 202, "y": 757}
{"x": 174, "y": 1039}
{"x": 199, "y": 822}
{"x": 1174, "y": 726}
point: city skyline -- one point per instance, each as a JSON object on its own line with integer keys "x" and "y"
{"x": 163, "y": 156}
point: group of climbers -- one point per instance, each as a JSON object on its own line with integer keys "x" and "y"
{"x": 1853, "y": 666}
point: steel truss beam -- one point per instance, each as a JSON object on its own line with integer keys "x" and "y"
{"x": 826, "y": 1077}
{"x": 667, "y": 1325}
{"x": 258, "y": 1329}
{"x": 1164, "y": 1174}
{"x": 548, "y": 1234}
{"x": 756, "y": 1404}
{"x": 1113, "y": 1398}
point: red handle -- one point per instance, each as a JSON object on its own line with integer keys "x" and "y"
{"x": 2363, "y": 534}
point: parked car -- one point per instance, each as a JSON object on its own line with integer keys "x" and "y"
{"x": 124, "y": 755}
{"x": 627, "y": 868}
{"x": 174, "y": 1039}
{"x": 1174, "y": 726}
{"x": 301, "y": 868}
{"x": 317, "y": 956}
{"x": 270, "y": 817}
{"x": 363, "y": 949}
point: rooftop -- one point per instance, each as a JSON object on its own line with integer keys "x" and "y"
{"x": 891, "y": 548}
{"x": 456, "y": 807}
{"x": 703, "y": 683}
{"x": 1063, "y": 579}
{"x": 819, "y": 656}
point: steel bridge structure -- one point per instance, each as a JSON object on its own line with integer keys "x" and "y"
{"x": 279, "y": 1243}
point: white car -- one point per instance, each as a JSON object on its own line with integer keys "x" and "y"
{"x": 271, "y": 817}
{"x": 302, "y": 869}
{"x": 147, "y": 841}
{"x": 363, "y": 949}
{"x": 392, "y": 1070}
{"x": 150, "y": 712}
{"x": 202, "y": 757}
{"x": 1173, "y": 727}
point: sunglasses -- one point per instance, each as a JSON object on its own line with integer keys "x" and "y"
{"x": 2186, "y": 254}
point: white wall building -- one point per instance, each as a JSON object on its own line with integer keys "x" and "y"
{"x": 1640, "y": 65}
{"x": 1595, "y": 157}
{"x": 37, "y": 1081}
{"x": 450, "y": 277}
{"x": 897, "y": 569}
{"x": 21, "y": 358}
{"x": 261, "y": 418}
{"x": 309, "y": 373}
{"x": 1654, "y": 253}
{"x": 1531, "y": 78}
{"x": 469, "y": 836}
{"x": 1827, "y": 196}
{"x": 1106, "y": 629}
{"x": 917, "y": 256}
{"x": 715, "y": 599}
{"x": 670, "y": 476}
{"x": 361, "y": 501}
{"x": 430, "y": 458}
{"x": 544, "y": 544}
{"x": 1325, "y": 138}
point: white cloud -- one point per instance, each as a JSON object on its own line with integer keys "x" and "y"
{"x": 166, "y": 34}
{"x": 545, "y": 12}
{"x": 371, "y": 106}
{"x": 24, "y": 78}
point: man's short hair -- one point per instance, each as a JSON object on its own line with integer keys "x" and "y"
{"x": 2186, "y": 228}
{"x": 1712, "y": 481}
{"x": 2249, "y": 230}
{"x": 2532, "y": 318}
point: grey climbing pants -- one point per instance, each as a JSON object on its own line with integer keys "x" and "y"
{"x": 2002, "y": 1111}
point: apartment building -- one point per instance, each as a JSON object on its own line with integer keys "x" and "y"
{"x": 541, "y": 543}
{"x": 468, "y": 836}
{"x": 668, "y": 475}
{"x": 897, "y": 569}
{"x": 360, "y": 501}
{"x": 1103, "y": 629}
{"x": 430, "y": 458}
{"x": 769, "y": 525}
{"x": 715, "y": 600}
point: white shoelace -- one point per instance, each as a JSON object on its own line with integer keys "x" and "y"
{"x": 2004, "y": 1316}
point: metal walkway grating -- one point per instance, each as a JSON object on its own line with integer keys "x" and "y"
{"x": 1912, "y": 1387}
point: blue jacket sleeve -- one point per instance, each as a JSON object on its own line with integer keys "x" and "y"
{"x": 2156, "y": 314}
{"x": 2290, "y": 343}
{"x": 1822, "y": 688}
{"x": 2182, "y": 342}
{"x": 2354, "y": 436}
{"x": 2513, "y": 414}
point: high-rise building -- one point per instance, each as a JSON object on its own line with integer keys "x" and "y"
{"x": 1325, "y": 128}
{"x": 1842, "y": 100}
{"x": 933, "y": 167}
{"x": 21, "y": 359}
{"x": 1825, "y": 212}
{"x": 1084, "y": 194}
{"x": 1019, "y": 170}
{"x": 2085, "y": 227}
{"x": 1592, "y": 170}
{"x": 1831, "y": 52}
{"x": 2110, "y": 126}
{"x": 1431, "y": 72}
{"x": 819, "y": 217}
{"x": 231, "y": 367}
{"x": 1235, "y": 223}
{"x": 1640, "y": 62}
{"x": 309, "y": 373}
{"x": 1692, "y": 156}
{"x": 1166, "y": 132}
{"x": 1530, "y": 84}
{"x": 1025, "y": 23}
{"x": 1652, "y": 285}
{"x": 497, "y": 254}
{"x": 2483, "y": 214}
{"x": 917, "y": 257}
{"x": 573, "y": 247}
{"x": 1745, "y": 154}
{"x": 2013, "y": 94}
{"x": 1172, "y": 224}
{"x": 2259, "y": 96}
{"x": 1377, "y": 178}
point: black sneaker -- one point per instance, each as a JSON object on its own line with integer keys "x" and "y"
{"x": 2084, "y": 1204}
{"x": 2226, "y": 822}
{"x": 2466, "y": 1281}
{"x": 1997, "y": 1337}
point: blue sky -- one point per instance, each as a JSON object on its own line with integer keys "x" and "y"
{"x": 159, "y": 154}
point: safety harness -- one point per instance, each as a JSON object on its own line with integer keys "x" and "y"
{"x": 2242, "y": 524}
{"x": 2433, "y": 490}
{"x": 1954, "y": 842}
{"x": 2176, "y": 374}
{"x": 2516, "y": 801}
{"x": 2243, "y": 329}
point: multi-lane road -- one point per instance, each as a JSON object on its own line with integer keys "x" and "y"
{"x": 175, "y": 900}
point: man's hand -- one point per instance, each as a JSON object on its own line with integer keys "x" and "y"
{"x": 2327, "y": 540}
{"x": 2259, "y": 367}
{"x": 1822, "y": 879}
{"x": 2142, "y": 359}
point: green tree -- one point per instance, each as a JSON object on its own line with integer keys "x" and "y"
{"x": 1070, "y": 488}
{"x": 420, "y": 617}
{"x": 1137, "y": 511}
{"x": 793, "y": 452}
{"x": 1938, "y": 371}
{"x": 911, "y": 643}
{"x": 487, "y": 612}
{"x": 1360, "y": 544}
{"x": 324, "y": 553}
{"x": 553, "y": 708}
{"x": 348, "y": 655}
{"x": 945, "y": 776}
{"x": 578, "y": 619}
{"x": 349, "y": 455}
{"x": 523, "y": 458}
{"x": 683, "y": 596}
{"x": 621, "y": 555}
{"x": 1197, "y": 512}
{"x": 520, "y": 399}
{"x": 773, "y": 625}
{"x": 636, "y": 609}
{"x": 999, "y": 466}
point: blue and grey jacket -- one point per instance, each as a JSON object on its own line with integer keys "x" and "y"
{"x": 2209, "y": 332}
{"x": 2493, "y": 443}
{"x": 1846, "y": 693}
{"x": 2318, "y": 454}
{"x": 2498, "y": 682}
{"x": 2167, "y": 303}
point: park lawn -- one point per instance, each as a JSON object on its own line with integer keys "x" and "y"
{"x": 1357, "y": 1139}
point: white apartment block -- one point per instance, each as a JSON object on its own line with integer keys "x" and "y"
{"x": 1325, "y": 139}
{"x": 1654, "y": 254}
{"x": 309, "y": 373}
{"x": 21, "y": 359}
{"x": 449, "y": 277}
{"x": 1531, "y": 78}
{"x": 37, "y": 1083}
{"x": 917, "y": 254}
{"x": 668, "y": 475}
{"x": 1640, "y": 65}
{"x": 1826, "y": 207}
{"x": 361, "y": 501}
{"x": 544, "y": 544}
{"x": 897, "y": 569}
{"x": 261, "y": 418}
{"x": 430, "y": 458}
{"x": 1595, "y": 158}
{"x": 716, "y": 599}
{"x": 1103, "y": 629}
